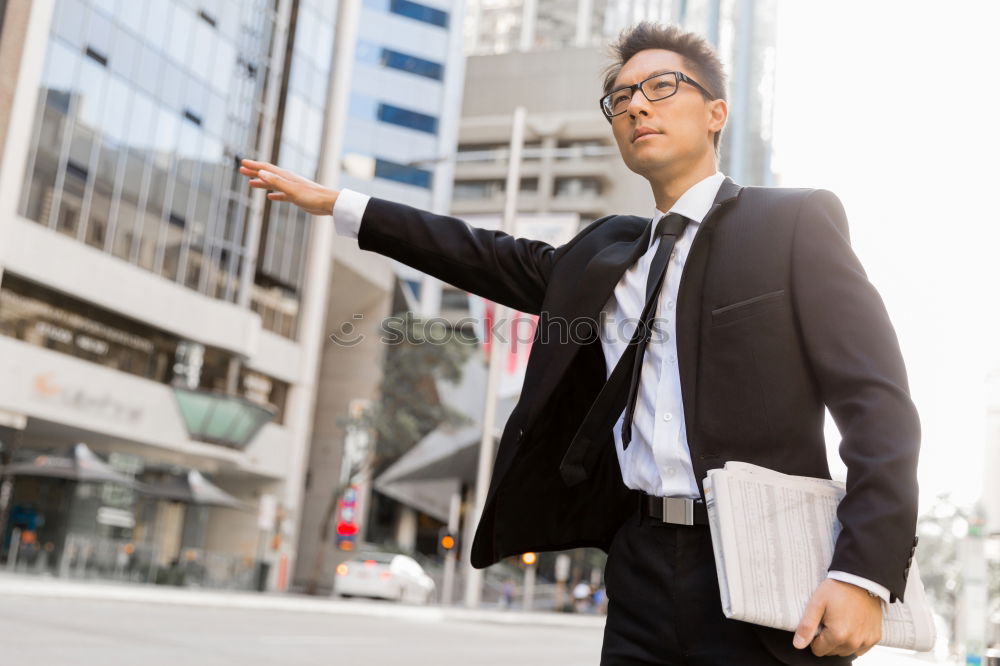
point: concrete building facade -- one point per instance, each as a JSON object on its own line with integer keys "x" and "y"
{"x": 152, "y": 306}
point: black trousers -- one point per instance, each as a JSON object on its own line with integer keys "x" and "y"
{"x": 664, "y": 607}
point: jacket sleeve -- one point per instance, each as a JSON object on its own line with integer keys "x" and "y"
{"x": 854, "y": 354}
{"x": 492, "y": 264}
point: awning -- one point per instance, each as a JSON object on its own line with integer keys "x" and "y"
{"x": 80, "y": 464}
{"x": 220, "y": 418}
{"x": 193, "y": 488}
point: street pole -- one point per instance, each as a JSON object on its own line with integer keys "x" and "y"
{"x": 473, "y": 576}
{"x": 562, "y": 575}
{"x": 450, "y": 558}
{"x": 529, "y": 585}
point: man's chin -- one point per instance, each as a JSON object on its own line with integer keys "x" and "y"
{"x": 650, "y": 165}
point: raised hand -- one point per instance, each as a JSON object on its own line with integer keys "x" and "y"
{"x": 289, "y": 186}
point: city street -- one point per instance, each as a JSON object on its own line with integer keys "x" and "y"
{"x": 61, "y": 623}
{"x": 82, "y": 632}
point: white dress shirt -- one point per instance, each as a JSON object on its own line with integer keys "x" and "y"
{"x": 657, "y": 460}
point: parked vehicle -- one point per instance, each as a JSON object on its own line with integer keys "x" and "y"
{"x": 385, "y": 576}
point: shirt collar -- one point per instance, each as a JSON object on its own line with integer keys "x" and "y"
{"x": 695, "y": 203}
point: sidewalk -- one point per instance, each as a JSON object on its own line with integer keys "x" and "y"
{"x": 20, "y": 585}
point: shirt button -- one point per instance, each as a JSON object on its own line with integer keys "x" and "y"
{"x": 670, "y": 471}
{"x": 670, "y": 304}
{"x": 672, "y": 358}
{"x": 668, "y": 416}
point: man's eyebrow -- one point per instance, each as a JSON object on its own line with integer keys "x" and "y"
{"x": 659, "y": 71}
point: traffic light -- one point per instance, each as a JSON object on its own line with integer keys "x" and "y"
{"x": 446, "y": 541}
{"x": 345, "y": 528}
{"x": 346, "y": 533}
{"x": 529, "y": 558}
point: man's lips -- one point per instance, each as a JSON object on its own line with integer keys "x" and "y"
{"x": 641, "y": 132}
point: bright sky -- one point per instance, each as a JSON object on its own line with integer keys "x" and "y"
{"x": 892, "y": 105}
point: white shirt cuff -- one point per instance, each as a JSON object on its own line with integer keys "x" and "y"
{"x": 348, "y": 210}
{"x": 871, "y": 586}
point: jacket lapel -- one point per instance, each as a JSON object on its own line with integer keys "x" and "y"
{"x": 689, "y": 304}
{"x": 583, "y": 302}
{"x": 588, "y": 296}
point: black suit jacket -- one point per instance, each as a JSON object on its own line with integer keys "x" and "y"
{"x": 775, "y": 318}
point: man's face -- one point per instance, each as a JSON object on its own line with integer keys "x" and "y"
{"x": 684, "y": 122}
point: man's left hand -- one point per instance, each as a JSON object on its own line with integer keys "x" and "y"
{"x": 850, "y": 618}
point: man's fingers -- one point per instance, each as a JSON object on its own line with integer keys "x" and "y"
{"x": 281, "y": 173}
{"x": 825, "y": 643}
{"x": 254, "y": 165}
{"x": 806, "y": 630}
{"x": 275, "y": 181}
{"x": 254, "y": 168}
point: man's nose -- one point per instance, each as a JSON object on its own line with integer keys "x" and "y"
{"x": 638, "y": 103}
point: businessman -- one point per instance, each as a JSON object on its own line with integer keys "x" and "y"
{"x": 716, "y": 329}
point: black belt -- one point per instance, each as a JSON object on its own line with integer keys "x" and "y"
{"x": 675, "y": 510}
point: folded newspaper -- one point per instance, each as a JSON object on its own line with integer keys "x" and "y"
{"x": 773, "y": 535}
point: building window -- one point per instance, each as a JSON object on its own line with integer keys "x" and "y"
{"x": 47, "y": 318}
{"x": 576, "y": 186}
{"x": 454, "y": 299}
{"x": 415, "y": 10}
{"x": 498, "y": 153}
{"x": 50, "y": 319}
{"x": 264, "y": 390}
{"x": 277, "y": 306}
{"x": 133, "y": 108}
{"x": 406, "y": 118}
{"x": 489, "y": 188}
{"x": 577, "y": 149}
{"x": 402, "y": 173}
{"x": 412, "y": 64}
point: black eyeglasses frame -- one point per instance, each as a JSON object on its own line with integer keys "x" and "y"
{"x": 680, "y": 76}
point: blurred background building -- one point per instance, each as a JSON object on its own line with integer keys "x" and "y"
{"x": 401, "y": 106}
{"x": 178, "y": 324}
{"x": 150, "y": 306}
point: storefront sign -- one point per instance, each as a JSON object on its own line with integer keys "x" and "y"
{"x": 98, "y": 403}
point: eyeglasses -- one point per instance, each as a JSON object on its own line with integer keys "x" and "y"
{"x": 657, "y": 87}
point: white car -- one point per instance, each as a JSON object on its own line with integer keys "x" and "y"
{"x": 385, "y": 576}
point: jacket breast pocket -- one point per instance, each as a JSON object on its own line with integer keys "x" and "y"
{"x": 748, "y": 307}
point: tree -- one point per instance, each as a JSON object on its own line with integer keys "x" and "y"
{"x": 408, "y": 407}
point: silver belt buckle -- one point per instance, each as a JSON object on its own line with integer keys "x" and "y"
{"x": 678, "y": 510}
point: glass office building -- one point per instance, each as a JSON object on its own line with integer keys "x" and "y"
{"x": 142, "y": 110}
{"x": 151, "y": 302}
{"x": 145, "y": 110}
{"x": 396, "y": 124}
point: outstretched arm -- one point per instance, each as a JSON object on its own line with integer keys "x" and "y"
{"x": 498, "y": 266}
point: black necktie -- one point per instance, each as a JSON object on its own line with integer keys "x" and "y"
{"x": 581, "y": 453}
{"x": 670, "y": 228}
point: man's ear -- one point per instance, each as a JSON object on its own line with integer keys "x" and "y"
{"x": 718, "y": 114}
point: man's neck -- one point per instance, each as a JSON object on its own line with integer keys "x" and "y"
{"x": 666, "y": 192}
